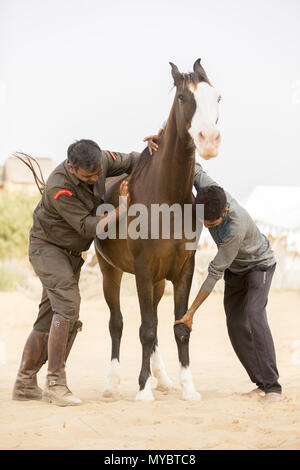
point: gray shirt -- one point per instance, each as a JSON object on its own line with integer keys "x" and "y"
{"x": 241, "y": 246}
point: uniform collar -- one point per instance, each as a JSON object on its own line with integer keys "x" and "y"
{"x": 222, "y": 230}
{"x": 69, "y": 175}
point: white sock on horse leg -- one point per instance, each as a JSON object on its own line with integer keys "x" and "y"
{"x": 146, "y": 394}
{"x": 186, "y": 380}
{"x": 113, "y": 378}
{"x": 159, "y": 371}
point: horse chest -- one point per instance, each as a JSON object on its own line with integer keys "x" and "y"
{"x": 167, "y": 258}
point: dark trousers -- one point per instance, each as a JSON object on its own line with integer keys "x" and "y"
{"x": 59, "y": 273}
{"x": 245, "y": 300}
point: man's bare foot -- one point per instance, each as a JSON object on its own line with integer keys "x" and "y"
{"x": 271, "y": 397}
{"x": 253, "y": 393}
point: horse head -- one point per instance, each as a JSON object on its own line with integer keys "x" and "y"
{"x": 197, "y": 109}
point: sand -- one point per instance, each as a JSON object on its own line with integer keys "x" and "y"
{"x": 223, "y": 419}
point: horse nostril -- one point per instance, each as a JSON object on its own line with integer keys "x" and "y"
{"x": 202, "y": 135}
{"x": 218, "y": 137}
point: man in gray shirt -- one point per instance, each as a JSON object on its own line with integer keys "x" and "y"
{"x": 246, "y": 261}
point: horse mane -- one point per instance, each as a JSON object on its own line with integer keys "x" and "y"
{"x": 194, "y": 78}
{"x": 141, "y": 162}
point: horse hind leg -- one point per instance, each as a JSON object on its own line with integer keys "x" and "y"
{"x": 111, "y": 288}
{"x": 157, "y": 364}
{"x": 148, "y": 328}
{"x": 164, "y": 383}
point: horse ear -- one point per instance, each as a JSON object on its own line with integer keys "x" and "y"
{"x": 176, "y": 74}
{"x": 199, "y": 70}
{"x": 197, "y": 66}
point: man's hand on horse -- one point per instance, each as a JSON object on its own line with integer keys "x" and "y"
{"x": 152, "y": 145}
{"x": 124, "y": 192}
{"x": 187, "y": 320}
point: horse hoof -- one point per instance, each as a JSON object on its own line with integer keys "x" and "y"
{"x": 142, "y": 396}
{"x": 108, "y": 393}
{"x": 146, "y": 393}
{"x": 195, "y": 396}
{"x": 166, "y": 386}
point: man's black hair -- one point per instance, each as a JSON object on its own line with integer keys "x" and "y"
{"x": 214, "y": 200}
{"x": 85, "y": 154}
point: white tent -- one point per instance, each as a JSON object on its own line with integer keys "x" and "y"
{"x": 276, "y": 210}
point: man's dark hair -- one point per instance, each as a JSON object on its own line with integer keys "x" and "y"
{"x": 214, "y": 200}
{"x": 85, "y": 154}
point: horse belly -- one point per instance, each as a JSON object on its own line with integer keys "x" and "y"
{"x": 165, "y": 258}
{"x": 116, "y": 253}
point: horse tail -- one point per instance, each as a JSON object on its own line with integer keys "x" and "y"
{"x": 28, "y": 161}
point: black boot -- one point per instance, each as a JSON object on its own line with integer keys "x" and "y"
{"x": 34, "y": 356}
{"x": 56, "y": 390}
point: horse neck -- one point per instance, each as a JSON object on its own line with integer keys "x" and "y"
{"x": 176, "y": 161}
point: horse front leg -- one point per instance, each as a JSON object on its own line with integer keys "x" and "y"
{"x": 182, "y": 335}
{"x": 148, "y": 329}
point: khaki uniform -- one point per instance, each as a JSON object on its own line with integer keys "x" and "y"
{"x": 64, "y": 225}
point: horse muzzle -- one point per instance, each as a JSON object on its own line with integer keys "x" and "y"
{"x": 208, "y": 143}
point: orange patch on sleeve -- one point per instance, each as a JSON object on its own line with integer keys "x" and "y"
{"x": 112, "y": 155}
{"x": 63, "y": 191}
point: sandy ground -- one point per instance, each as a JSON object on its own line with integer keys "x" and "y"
{"x": 223, "y": 419}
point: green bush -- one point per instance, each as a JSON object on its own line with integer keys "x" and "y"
{"x": 7, "y": 278}
{"x": 11, "y": 275}
{"x": 16, "y": 210}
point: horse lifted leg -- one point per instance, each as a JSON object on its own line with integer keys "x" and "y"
{"x": 157, "y": 365}
{"x": 111, "y": 288}
{"x": 182, "y": 335}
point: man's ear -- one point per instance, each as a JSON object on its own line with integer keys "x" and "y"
{"x": 71, "y": 169}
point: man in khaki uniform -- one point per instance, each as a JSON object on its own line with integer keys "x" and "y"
{"x": 64, "y": 225}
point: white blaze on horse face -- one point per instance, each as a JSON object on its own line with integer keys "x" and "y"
{"x": 203, "y": 128}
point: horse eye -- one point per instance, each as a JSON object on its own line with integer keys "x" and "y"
{"x": 219, "y": 99}
{"x": 181, "y": 98}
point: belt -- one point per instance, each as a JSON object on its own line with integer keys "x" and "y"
{"x": 39, "y": 241}
{"x": 72, "y": 252}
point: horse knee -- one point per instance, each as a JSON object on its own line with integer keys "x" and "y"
{"x": 147, "y": 334}
{"x": 182, "y": 333}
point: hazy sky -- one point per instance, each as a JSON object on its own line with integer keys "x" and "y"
{"x": 72, "y": 69}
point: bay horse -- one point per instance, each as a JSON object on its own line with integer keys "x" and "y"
{"x": 166, "y": 177}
